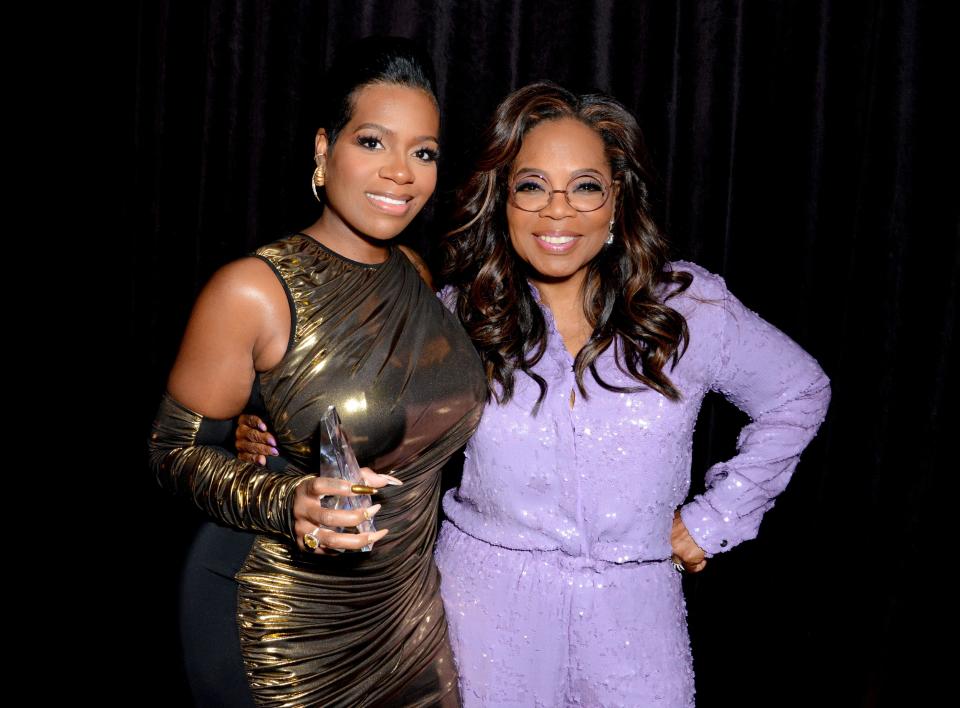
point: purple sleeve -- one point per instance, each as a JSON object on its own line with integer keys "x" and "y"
{"x": 786, "y": 394}
{"x": 448, "y": 296}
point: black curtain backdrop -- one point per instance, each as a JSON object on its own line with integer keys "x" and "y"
{"x": 806, "y": 152}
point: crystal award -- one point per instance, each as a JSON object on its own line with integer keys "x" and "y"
{"x": 336, "y": 459}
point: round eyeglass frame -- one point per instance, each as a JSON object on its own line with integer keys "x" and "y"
{"x": 607, "y": 189}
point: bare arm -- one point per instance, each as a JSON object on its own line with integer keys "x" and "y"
{"x": 240, "y": 324}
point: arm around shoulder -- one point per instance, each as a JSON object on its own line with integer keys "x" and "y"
{"x": 419, "y": 264}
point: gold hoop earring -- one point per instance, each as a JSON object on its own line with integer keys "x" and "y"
{"x": 319, "y": 178}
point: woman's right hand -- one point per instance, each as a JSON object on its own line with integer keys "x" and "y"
{"x": 254, "y": 442}
{"x": 310, "y": 517}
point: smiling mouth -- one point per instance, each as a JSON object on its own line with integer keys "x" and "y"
{"x": 383, "y": 199}
{"x": 388, "y": 204}
{"x": 557, "y": 240}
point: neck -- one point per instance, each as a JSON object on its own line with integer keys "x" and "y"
{"x": 561, "y": 295}
{"x": 565, "y": 300}
{"x": 334, "y": 233}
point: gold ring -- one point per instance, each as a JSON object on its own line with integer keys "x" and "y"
{"x": 362, "y": 489}
{"x": 311, "y": 541}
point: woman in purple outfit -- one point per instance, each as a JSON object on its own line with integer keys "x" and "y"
{"x": 558, "y": 555}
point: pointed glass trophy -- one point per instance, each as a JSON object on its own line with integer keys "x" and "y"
{"x": 337, "y": 459}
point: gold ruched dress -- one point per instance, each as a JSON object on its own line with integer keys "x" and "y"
{"x": 361, "y": 629}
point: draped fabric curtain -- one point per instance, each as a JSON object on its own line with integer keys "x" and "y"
{"x": 805, "y": 151}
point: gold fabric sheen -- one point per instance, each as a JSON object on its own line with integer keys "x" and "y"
{"x": 360, "y": 629}
{"x": 239, "y": 494}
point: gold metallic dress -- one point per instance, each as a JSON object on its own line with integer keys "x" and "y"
{"x": 361, "y": 629}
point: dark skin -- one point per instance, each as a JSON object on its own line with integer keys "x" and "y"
{"x": 240, "y": 324}
{"x": 255, "y": 443}
{"x": 558, "y": 150}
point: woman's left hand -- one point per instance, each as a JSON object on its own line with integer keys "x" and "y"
{"x": 685, "y": 549}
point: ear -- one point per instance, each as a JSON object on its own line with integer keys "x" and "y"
{"x": 616, "y": 197}
{"x": 320, "y": 142}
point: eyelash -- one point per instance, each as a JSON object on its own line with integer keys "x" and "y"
{"x": 370, "y": 142}
{"x": 364, "y": 140}
{"x": 431, "y": 155}
{"x": 521, "y": 186}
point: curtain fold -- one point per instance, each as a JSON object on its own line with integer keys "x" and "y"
{"x": 806, "y": 151}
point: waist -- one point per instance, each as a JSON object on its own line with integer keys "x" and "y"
{"x": 564, "y": 554}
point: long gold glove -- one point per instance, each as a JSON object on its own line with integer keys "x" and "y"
{"x": 239, "y": 494}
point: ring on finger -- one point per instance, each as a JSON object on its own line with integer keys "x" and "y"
{"x": 311, "y": 540}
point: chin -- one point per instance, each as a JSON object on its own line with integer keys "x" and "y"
{"x": 554, "y": 273}
{"x": 386, "y": 231}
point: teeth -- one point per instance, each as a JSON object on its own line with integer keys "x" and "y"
{"x": 556, "y": 240}
{"x": 387, "y": 200}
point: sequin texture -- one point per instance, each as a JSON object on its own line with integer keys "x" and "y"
{"x": 555, "y": 560}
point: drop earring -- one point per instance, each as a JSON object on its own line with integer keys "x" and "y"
{"x": 610, "y": 235}
{"x": 319, "y": 174}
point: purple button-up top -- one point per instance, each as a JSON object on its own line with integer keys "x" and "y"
{"x": 602, "y": 479}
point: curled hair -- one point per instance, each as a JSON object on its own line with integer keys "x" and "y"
{"x": 373, "y": 60}
{"x": 623, "y": 292}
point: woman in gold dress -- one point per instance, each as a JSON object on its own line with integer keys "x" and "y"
{"x": 333, "y": 315}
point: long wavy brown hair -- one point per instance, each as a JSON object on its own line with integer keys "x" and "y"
{"x": 622, "y": 284}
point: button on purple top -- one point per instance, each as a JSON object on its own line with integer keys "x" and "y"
{"x": 601, "y": 479}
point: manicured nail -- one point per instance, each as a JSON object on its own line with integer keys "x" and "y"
{"x": 390, "y": 479}
{"x": 262, "y": 427}
{"x": 271, "y": 440}
{"x": 273, "y": 451}
{"x": 372, "y": 511}
{"x": 376, "y": 536}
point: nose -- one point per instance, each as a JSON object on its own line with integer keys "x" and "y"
{"x": 558, "y": 207}
{"x": 397, "y": 170}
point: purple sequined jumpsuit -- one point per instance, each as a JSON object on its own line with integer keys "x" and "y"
{"x": 555, "y": 561}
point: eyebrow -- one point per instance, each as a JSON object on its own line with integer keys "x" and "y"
{"x": 573, "y": 175}
{"x": 386, "y": 131}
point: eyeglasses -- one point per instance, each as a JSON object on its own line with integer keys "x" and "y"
{"x": 534, "y": 193}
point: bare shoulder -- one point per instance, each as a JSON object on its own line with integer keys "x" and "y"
{"x": 248, "y": 292}
{"x": 419, "y": 264}
{"x": 239, "y": 324}
{"x": 244, "y": 282}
